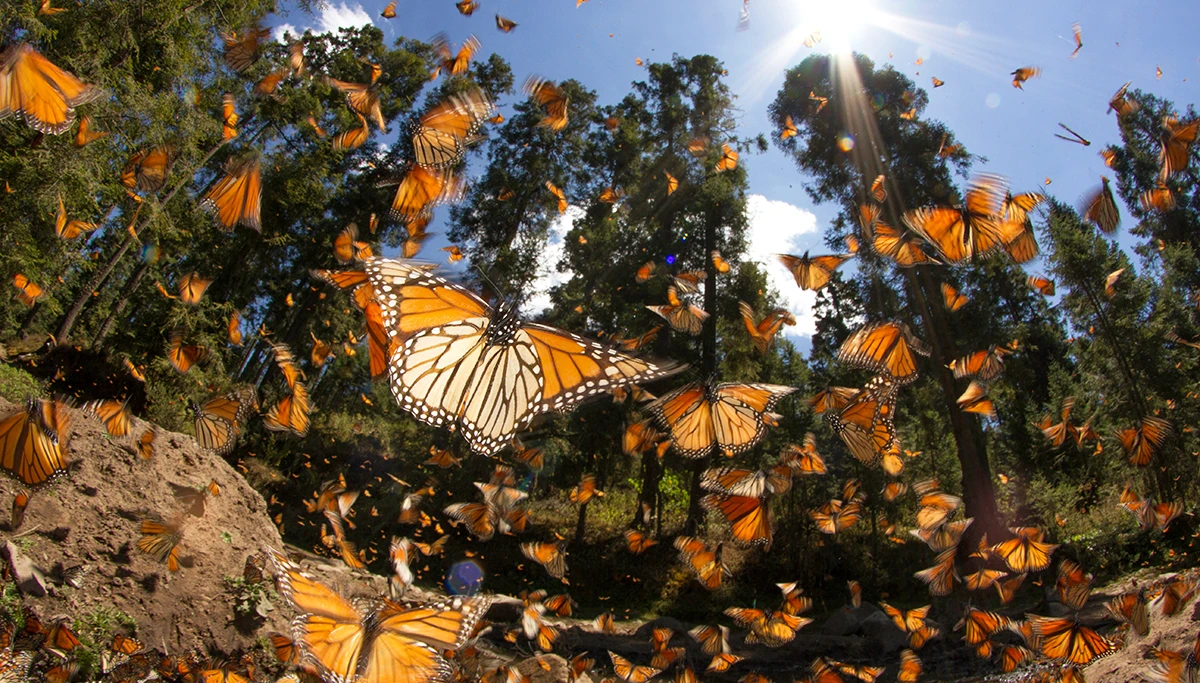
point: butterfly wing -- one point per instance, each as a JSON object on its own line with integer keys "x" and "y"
{"x": 237, "y": 196}
{"x": 738, "y": 414}
{"x": 44, "y": 95}
{"x": 328, "y": 629}
{"x": 687, "y": 416}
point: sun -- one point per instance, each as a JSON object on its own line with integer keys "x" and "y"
{"x": 839, "y": 23}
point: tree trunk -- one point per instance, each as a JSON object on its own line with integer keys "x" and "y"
{"x": 978, "y": 492}
{"x": 580, "y": 524}
{"x": 708, "y": 362}
{"x": 121, "y": 303}
{"x": 651, "y": 476}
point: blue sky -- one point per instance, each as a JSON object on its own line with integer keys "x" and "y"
{"x": 971, "y": 45}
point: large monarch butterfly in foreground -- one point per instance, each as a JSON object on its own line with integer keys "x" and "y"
{"x": 457, "y": 360}
{"x": 441, "y": 137}
{"x": 1065, "y": 640}
{"x": 33, "y": 442}
{"x": 731, "y": 417}
{"x": 39, "y": 92}
{"x": 160, "y": 540}
{"x": 887, "y": 347}
{"x": 372, "y": 641}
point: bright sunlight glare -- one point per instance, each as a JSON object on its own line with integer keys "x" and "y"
{"x": 837, "y": 23}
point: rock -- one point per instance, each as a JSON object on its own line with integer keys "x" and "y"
{"x": 30, "y": 580}
{"x": 545, "y": 669}
{"x": 848, "y": 620}
{"x": 882, "y": 635}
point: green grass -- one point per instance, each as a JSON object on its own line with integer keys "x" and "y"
{"x": 95, "y": 630}
{"x": 16, "y": 385}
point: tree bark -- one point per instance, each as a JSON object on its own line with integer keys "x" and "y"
{"x": 978, "y": 492}
{"x": 708, "y": 362}
{"x": 122, "y": 302}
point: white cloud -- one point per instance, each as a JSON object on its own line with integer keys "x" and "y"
{"x": 549, "y": 275}
{"x": 330, "y": 19}
{"x": 776, "y": 228}
{"x": 334, "y": 17}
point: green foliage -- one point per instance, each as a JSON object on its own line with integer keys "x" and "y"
{"x": 10, "y": 606}
{"x": 250, "y": 597}
{"x": 16, "y": 385}
{"x": 95, "y": 630}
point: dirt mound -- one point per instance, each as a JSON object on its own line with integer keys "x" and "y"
{"x": 1176, "y": 632}
{"x": 93, "y": 517}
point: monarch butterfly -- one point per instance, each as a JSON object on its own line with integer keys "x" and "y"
{"x": 392, "y": 641}
{"x": 270, "y": 82}
{"x": 729, "y": 159}
{"x": 458, "y": 360}
{"x": 889, "y": 242}
{"x": 147, "y": 170}
{"x": 1065, "y": 640}
{"x": 438, "y": 547}
{"x": 558, "y": 194}
{"x": 910, "y": 667}
{"x": 552, "y": 556}
{"x": 813, "y": 273}
{"x": 1016, "y": 209}
{"x": 192, "y": 288}
{"x": 867, "y": 422}
{"x": 229, "y": 117}
{"x": 772, "y": 629}
{"x": 20, "y": 502}
{"x": 867, "y": 674}
{"x": 441, "y": 136}
{"x": 40, "y": 93}
{"x": 237, "y": 196}
{"x": 822, "y": 102}
{"x": 455, "y": 64}
{"x": 908, "y": 621}
{"x": 986, "y": 365}
{"x": 672, "y": 183}
{"x": 751, "y": 483}
{"x": 638, "y": 542}
{"x": 941, "y": 576}
{"x": 976, "y": 400}
{"x": 389, "y": 12}
{"x": 878, "y": 191}
{"x": 363, "y": 98}
{"x": 114, "y": 414}
{"x": 1100, "y": 208}
{"x": 789, "y": 129}
{"x": 160, "y": 540}
{"x": 33, "y": 442}
{"x": 812, "y": 39}
{"x": 705, "y": 563}
{"x": 346, "y": 246}
{"x": 422, "y": 189}
{"x": 559, "y": 604}
{"x": 952, "y": 298}
{"x": 69, "y": 229}
{"x": 219, "y": 421}
{"x": 352, "y": 138}
{"x": 763, "y": 332}
{"x": 836, "y": 516}
{"x": 28, "y": 292}
{"x": 1130, "y": 608}
{"x": 585, "y": 490}
{"x": 1025, "y": 552}
{"x": 626, "y": 671}
{"x": 502, "y": 23}
{"x": 1141, "y": 442}
{"x": 945, "y": 534}
{"x": 85, "y": 135}
{"x": 1158, "y": 198}
{"x": 241, "y": 51}
{"x": 1039, "y": 284}
{"x": 887, "y": 347}
{"x": 442, "y": 458}
{"x": 1074, "y": 586}
{"x": 415, "y": 230}
{"x": 831, "y": 398}
{"x": 973, "y": 229}
{"x": 550, "y": 96}
{"x": 1176, "y": 146}
{"x": 937, "y": 82}
{"x": 980, "y": 624}
{"x": 730, "y": 417}
{"x": 1176, "y": 595}
{"x": 291, "y": 413}
{"x": 749, "y": 517}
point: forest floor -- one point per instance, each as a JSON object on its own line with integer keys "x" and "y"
{"x": 93, "y": 517}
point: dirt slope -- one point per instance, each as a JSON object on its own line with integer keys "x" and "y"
{"x": 93, "y": 516}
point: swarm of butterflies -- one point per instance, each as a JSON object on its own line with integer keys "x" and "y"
{"x": 455, "y": 360}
